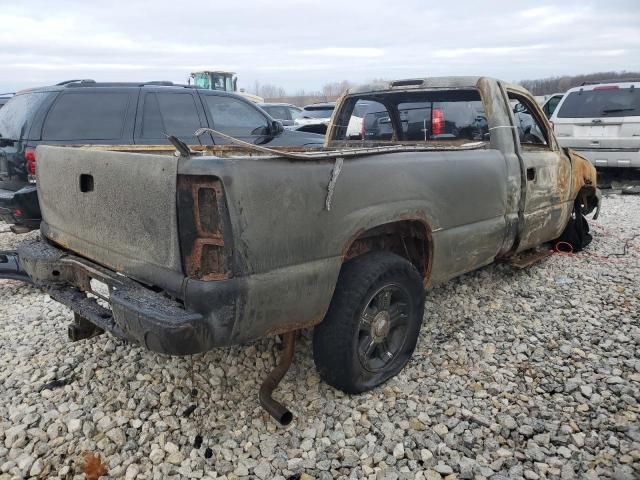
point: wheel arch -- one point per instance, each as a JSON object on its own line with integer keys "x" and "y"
{"x": 409, "y": 236}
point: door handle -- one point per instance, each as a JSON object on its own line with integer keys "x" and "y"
{"x": 531, "y": 174}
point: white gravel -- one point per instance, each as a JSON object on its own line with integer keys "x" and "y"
{"x": 518, "y": 374}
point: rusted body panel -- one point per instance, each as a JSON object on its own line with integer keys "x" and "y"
{"x": 284, "y": 224}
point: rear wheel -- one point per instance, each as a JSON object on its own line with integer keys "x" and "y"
{"x": 373, "y": 322}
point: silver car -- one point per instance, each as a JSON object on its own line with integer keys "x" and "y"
{"x": 602, "y": 122}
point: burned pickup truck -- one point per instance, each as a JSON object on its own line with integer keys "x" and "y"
{"x": 185, "y": 253}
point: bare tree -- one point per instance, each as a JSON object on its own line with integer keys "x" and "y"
{"x": 335, "y": 89}
{"x": 271, "y": 91}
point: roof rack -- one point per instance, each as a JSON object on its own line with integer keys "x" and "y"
{"x": 163, "y": 83}
{"x": 68, "y": 82}
{"x": 93, "y": 83}
{"x": 615, "y": 80}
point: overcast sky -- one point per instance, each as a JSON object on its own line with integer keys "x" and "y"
{"x": 303, "y": 44}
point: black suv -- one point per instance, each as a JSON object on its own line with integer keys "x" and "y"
{"x": 90, "y": 113}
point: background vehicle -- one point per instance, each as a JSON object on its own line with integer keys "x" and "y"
{"x": 222, "y": 81}
{"x": 4, "y": 98}
{"x": 602, "y": 122}
{"x": 87, "y": 112}
{"x": 315, "y": 117}
{"x": 284, "y": 112}
{"x": 551, "y": 103}
{"x": 214, "y": 252}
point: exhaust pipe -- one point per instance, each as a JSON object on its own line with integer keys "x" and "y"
{"x": 273, "y": 407}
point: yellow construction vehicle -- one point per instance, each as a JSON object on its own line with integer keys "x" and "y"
{"x": 221, "y": 80}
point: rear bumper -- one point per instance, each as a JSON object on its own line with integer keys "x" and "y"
{"x": 10, "y": 267}
{"x": 129, "y": 310}
{"x": 609, "y": 157}
{"x": 20, "y": 207}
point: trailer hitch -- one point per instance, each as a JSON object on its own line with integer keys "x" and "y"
{"x": 10, "y": 267}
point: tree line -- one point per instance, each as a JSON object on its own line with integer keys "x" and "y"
{"x": 549, "y": 85}
{"x": 332, "y": 90}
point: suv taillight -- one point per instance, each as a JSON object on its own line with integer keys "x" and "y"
{"x": 437, "y": 121}
{"x": 202, "y": 220}
{"x": 30, "y": 159}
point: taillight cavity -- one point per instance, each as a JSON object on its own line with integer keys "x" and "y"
{"x": 437, "y": 121}
{"x": 202, "y": 220}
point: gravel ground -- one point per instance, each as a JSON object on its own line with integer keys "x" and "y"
{"x": 518, "y": 374}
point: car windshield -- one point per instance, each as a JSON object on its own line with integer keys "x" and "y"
{"x": 318, "y": 112}
{"x": 16, "y": 115}
{"x": 605, "y": 101}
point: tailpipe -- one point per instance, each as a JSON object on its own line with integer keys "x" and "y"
{"x": 273, "y": 407}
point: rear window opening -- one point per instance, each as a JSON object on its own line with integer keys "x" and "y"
{"x": 317, "y": 112}
{"x": 604, "y": 101}
{"x": 17, "y": 114}
{"x": 452, "y": 117}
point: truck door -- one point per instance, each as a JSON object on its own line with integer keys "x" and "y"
{"x": 546, "y": 177}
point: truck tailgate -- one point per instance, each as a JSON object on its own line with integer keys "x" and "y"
{"x": 117, "y": 209}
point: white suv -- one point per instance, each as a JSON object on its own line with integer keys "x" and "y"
{"x": 602, "y": 122}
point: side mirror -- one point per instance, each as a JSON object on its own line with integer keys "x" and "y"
{"x": 276, "y": 128}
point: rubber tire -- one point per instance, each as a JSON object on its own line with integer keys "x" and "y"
{"x": 576, "y": 233}
{"x": 335, "y": 339}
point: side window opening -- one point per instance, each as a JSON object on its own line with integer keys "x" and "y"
{"x": 166, "y": 113}
{"x": 236, "y": 118}
{"x": 179, "y": 113}
{"x": 278, "y": 112}
{"x": 87, "y": 116}
{"x": 531, "y": 132}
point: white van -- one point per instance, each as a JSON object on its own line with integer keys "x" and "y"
{"x": 602, "y": 122}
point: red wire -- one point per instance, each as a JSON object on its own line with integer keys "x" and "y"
{"x": 566, "y": 249}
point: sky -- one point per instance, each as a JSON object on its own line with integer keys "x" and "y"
{"x": 300, "y": 44}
